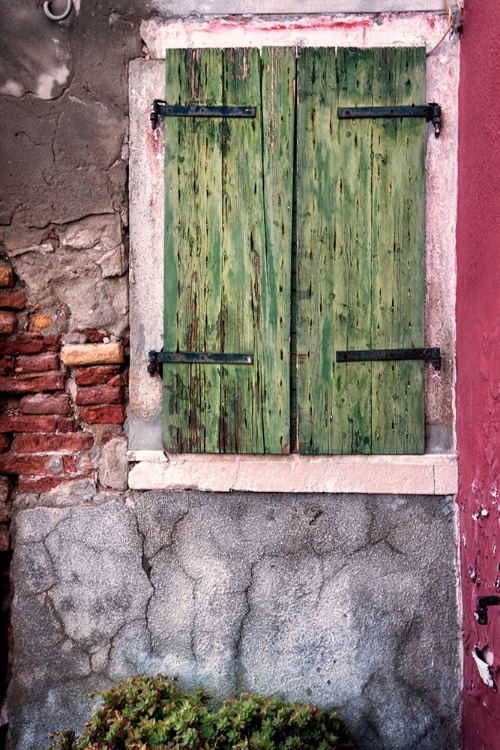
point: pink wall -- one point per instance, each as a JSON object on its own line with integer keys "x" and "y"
{"x": 478, "y": 361}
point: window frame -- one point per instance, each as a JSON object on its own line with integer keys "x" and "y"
{"x": 432, "y": 473}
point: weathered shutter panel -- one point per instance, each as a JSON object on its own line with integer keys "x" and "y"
{"x": 228, "y": 234}
{"x": 360, "y": 251}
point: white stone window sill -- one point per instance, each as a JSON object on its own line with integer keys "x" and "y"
{"x": 432, "y": 474}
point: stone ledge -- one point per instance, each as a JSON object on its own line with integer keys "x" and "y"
{"x": 433, "y": 474}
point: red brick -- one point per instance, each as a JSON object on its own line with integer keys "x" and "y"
{"x": 12, "y": 299}
{"x": 19, "y": 423}
{"x": 44, "y": 484}
{"x": 52, "y": 344}
{"x": 44, "y": 404}
{"x": 4, "y": 489}
{"x": 101, "y": 394}
{"x": 38, "y": 363}
{"x": 102, "y": 414}
{"x": 66, "y": 424}
{"x": 50, "y": 381}
{"x": 23, "y": 344}
{"x": 116, "y": 380}
{"x": 69, "y": 443}
{"x": 11, "y": 463}
{"x": 8, "y": 322}
{"x": 5, "y": 512}
{"x": 6, "y": 365}
{"x": 4, "y": 443}
{"x": 4, "y": 540}
{"x": 69, "y": 465}
{"x": 93, "y": 336}
{"x": 97, "y": 375}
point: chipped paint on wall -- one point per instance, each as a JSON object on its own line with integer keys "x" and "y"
{"x": 478, "y": 357}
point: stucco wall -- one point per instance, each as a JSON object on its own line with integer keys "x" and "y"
{"x": 342, "y": 600}
{"x": 346, "y": 599}
{"x": 478, "y": 362}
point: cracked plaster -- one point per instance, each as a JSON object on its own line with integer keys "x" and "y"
{"x": 341, "y": 600}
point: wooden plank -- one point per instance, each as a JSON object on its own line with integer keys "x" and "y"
{"x": 333, "y": 231}
{"x": 317, "y": 191}
{"x": 360, "y": 201}
{"x": 398, "y": 242}
{"x": 230, "y": 269}
{"x": 193, "y": 149}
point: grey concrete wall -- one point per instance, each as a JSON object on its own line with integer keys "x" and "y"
{"x": 341, "y": 600}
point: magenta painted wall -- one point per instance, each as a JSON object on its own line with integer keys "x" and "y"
{"x": 478, "y": 361}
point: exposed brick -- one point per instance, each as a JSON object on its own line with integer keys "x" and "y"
{"x": 8, "y": 322}
{"x": 12, "y": 463}
{"x": 50, "y": 381}
{"x": 14, "y": 300}
{"x": 4, "y": 539}
{"x": 92, "y": 335}
{"x": 44, "y": 484}
{"x": 6, "y": 276}
{"x": 103, "y": 414}
{"x": 23, "y": 344}
{"x": 101, "y": 394}
{"x": 44, "y": 404}
{"x": 69, "y": 443}
{"x": 4, "y": 443}
{"x": 19, "y": 423}
{"x": 6, "y": 365}
{"x": 69, "y": 465}
{"x": 92, "y": 354}
{"x": 97, "y": 375}
{"x": 4, "y": 489}
{"x": 116, "y": 380}
{"x": 52, "y": 343}
{"x": 5, "y": 512}
{"x": 66, "y": 424}
{"x": 38, "y": 363}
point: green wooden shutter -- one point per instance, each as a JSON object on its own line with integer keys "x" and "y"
{"x": 228, "y": 225}
{"x": 354, "y": 213}
{"x": 360, "y": 251}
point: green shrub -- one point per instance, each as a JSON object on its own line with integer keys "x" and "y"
{"x": 143, "y": 713}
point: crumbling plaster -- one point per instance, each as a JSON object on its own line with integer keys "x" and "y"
{"x": 63, "y": 214}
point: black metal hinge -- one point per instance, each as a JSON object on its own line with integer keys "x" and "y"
{"x": 160, "y": 108}
{"x": 156, "y": 359}
{"x": 483, "y": 602}
{"x": 432, "y": 354}
{"x": 431, "y": 112}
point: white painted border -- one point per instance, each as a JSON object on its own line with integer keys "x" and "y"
{"x": 430, "y": 474}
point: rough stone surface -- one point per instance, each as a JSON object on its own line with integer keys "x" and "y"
{"x": 113, "y": 464}
{"x": 341, "y": 600}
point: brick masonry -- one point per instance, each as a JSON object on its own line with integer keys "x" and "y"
{"x": 49, "y": 409}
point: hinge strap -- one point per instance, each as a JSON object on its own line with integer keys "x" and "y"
{"x": 431, "y": 354}
{"x": 195, "y": 358}
{"x": 160, "y": 108}
{"x": 431, "y": 112}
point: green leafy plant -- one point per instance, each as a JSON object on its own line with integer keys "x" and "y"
{"x": 146, "y": 713}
